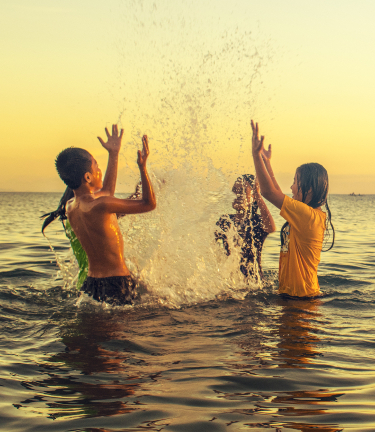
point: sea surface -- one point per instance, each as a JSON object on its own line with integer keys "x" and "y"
{"x": 201, "y": 350}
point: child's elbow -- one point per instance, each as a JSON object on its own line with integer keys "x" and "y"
{"x": 150, "y": 205}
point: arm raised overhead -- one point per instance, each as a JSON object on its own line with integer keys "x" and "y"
{"x": 110, "y": 204}
{"x": 268, "y": 188}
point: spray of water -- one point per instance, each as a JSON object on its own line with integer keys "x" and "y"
{"x": 173, "y": 252}
{"x": 193, "y": 97}
{"x": 201, "y": 114}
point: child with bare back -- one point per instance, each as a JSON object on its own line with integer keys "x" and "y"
{"x": 92, "y": 216}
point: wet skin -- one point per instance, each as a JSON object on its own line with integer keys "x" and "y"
{"x": 100, "y": 237}
{"x": 92, "y": 211}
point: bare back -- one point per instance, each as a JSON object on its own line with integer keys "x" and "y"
{"x": 92, "y": 211}
{"x": 99, "y": 235}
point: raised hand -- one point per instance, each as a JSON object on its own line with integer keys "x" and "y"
{"x": 113, "y": 144}
{"x": 142, "y": 156}
{"x": 257, "y": 144}
{"x": 267, "y": 153}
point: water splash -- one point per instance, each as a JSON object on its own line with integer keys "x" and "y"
{"x": 172, "y": 250}
{"x": 193, "y": 95}
{"x": 68, "y": 269}
{"x": 194, "y": 101}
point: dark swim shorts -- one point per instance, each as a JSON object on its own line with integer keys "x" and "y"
{"x": 115, "y": 290}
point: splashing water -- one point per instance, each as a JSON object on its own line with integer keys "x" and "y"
{"x": 194, "y": 101}
{"x": 195, "y": 113}
{"x": 172, "y": 250}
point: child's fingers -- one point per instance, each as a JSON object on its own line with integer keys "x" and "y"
{"x": 121, "y": 133}
{"x": 254, "y": 127}
{"x": 101, "y": 141}
{"x": 107, "y": 133}
{"x": 145, "y": 143}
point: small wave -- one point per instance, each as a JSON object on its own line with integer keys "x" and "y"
{"x": 336, "y": 280}
{"x": 6, "y": 246}
{"x": 351, "y": 302}
{"x": 22, "y": 273}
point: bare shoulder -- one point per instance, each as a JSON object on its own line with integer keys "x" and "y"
{"x": 103, "y": 202}
{"x": 70, "y": 205}
{"x": 83, "y": 203}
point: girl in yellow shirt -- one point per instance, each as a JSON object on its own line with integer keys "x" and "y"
{"x": 302, "y": 235}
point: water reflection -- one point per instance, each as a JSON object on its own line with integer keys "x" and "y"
{"x": 90, "y": 378}
{"x": 298, "y": 346}
{"x": 297, "y": 333}
{"x": 312, "y": 428}
{"x": 285, "y": 337}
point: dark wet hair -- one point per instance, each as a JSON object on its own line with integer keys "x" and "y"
{"x": 60, "y": 211}
{"x": 314, "y": 177}
{"x": 72, "y": 164}
{"x": 250, "y": 179}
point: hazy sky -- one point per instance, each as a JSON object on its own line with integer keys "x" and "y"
{"x": 190, "y": 74}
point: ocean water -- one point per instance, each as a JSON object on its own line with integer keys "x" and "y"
{"x": 201, "y": 350}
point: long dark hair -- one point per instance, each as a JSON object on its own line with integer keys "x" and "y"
{"x": 60, "y": 211}
{"x": 314, "y": 177}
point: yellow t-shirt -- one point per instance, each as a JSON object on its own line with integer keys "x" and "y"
{"x": 300, "y": 255}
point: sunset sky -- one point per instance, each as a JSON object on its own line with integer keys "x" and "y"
{"x": 190, "y": 74}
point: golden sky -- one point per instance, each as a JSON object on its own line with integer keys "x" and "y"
{"x": 190, "y": 74}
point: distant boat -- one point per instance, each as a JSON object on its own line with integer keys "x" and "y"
{"x": 353, "y": 194}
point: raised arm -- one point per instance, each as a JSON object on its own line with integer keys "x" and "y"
{"x": 267, "y": 187}
{"x": 113, "y": 146}
{"x": 109, "y": 204}
{"x": 267, "y": 219}
{"x": 266, "y": 155}
{"x": 148, "y": 195}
